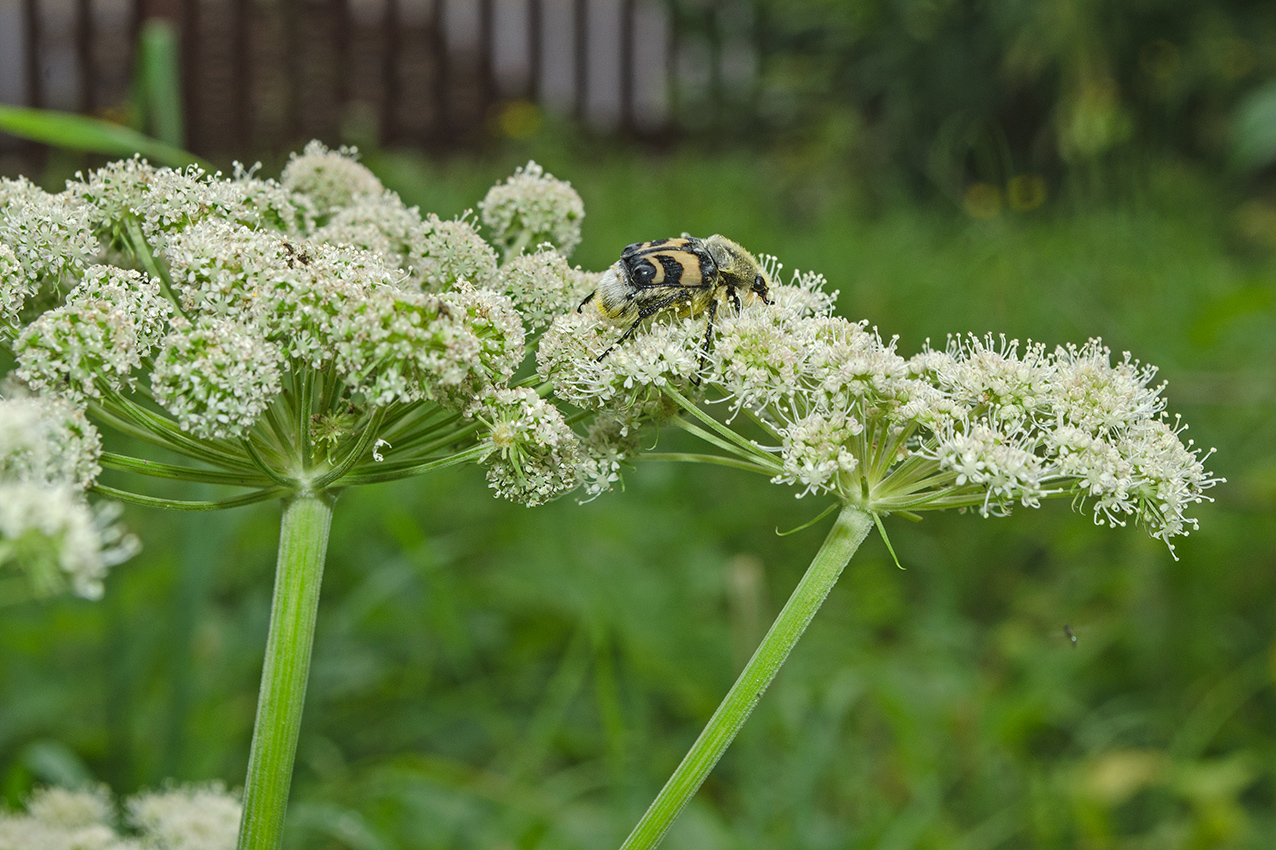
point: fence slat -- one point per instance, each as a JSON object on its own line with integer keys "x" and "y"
{"x": 85, "y": 64}
{"x": 580, "y": 57}
{"x": 426, "y": 70}
{"x": 31, "y": 25}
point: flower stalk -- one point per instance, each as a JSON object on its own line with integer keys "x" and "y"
{"x": 852, "y": 526}
{"x": 303, "y": 544}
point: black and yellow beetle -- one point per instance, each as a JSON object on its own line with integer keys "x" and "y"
{"x": 685, "y": 275}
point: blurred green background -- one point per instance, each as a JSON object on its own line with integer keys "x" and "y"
{"x": 489, "y": 676}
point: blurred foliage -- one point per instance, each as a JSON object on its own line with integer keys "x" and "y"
{"x": 488, "y": 676}
{"x": 947, "y": 92}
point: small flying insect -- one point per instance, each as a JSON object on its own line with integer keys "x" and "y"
{"x": 1070, "y": 634}
{"x": 686, "y": 275}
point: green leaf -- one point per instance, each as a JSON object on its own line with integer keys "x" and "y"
{"x": 77, "y": 132}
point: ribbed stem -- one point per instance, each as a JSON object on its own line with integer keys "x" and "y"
{"x": 843, "y": 539}
{"x": 303, "y": 543}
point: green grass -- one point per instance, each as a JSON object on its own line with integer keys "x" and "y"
{"x": 488, "y": 676}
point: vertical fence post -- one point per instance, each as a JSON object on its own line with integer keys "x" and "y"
{"x": 391, "y": 85}
{"x": 31, "y": 28}
{"x": 85, "y": 64}
{"x": 627, "y": 123}
{"x": 580, "y": 59}
{"x": 535, "y": 49}
{"x": 486, "y": 55}
{"x": 439, "y": 61}
{"x": 242, "y": 73}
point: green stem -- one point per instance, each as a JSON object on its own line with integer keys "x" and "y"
{"x": 179, "y": 505}
{"x": 155, "y": 469}
{"x": 719, "y": 460}
{"x": 303, "y": 542}
{"x": 843, "y": 539}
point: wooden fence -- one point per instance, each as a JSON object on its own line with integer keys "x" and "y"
{"x": 260, "y": 76}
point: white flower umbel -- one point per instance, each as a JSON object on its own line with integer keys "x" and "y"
{"x": 535, "y": 452}
{"x": 110, "y": 321}
{"x": 197, "y": 817}
{"x": 53, "y": 536}
{"x": 49, "y": 534}
{"x": 47, "y": 441}
{"x": 833, "y": 409}
{"x": 827, "y": 406}
{"x": 330, "y": 179}
{"x": 191, "y": 817}
{"x": 542, "y": 285}
{"x": 530, "y": 208}
{"x": 50, "y": 236}
{"x": 287, "y": 340}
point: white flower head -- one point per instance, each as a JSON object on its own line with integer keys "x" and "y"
{"x": 330, "y": 179}
{"x": 818, "y": 453}
{"x": 60, "y": 819}
{"x": 110, "y": 321}
{"x": 535, "y": 455}
{"x": 192, "y": 817}
{"x": 630, "y": 378}
{"x": 1098, "y": 396}
{"x": 609, "y": 444}
{"x": 67, "y": 808}
{"x": 542, "y": 285}
{"x": 199, "y": 817}
{"x": 400, "y": 346}
{"x": 46, "y": 440}
{"x": 216, "y": 376}
{"x": 15, "y": 289}
{"x": 304, "y": 297}
{"x": 532, "y": 207}
{"x": 49, "y": 533}
{"x": 450, "y": 253}
{"x": 220, "y": 268}
{"x": 380, "y": 223}
{"x": 984, "y": 424}
{"x": 50, "y": 236}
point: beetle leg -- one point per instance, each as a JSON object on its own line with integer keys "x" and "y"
{"x": 588, "y": 298}
{"x": 643, "y": 314}
{"x": 708, "y": 340}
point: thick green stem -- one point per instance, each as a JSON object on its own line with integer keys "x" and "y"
{"x": 847, "y": 534}
{"x": 303, "y": 542}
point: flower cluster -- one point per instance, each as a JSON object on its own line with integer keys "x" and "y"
{"x": 534, "y": 451}
{"x": 530, "y": 208}
{"x": 49, "y": 455}
{"x": 179, "y": 818}
{"x": 832, "y": 408}
{"x": 277, "y": 333}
